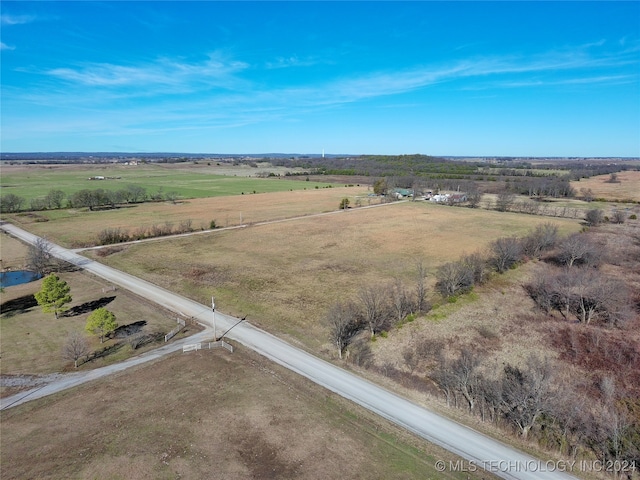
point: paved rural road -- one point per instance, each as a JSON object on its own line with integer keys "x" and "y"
{"x": 479, "y": 450}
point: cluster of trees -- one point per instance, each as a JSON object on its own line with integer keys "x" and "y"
{"x": 55, "y": 199}
{"x": 100, "y": 197}
{"x": 54, "y": 297}
{"x": 535, "y": 400}
{"x": 109, "y": 236}
{"x": 545, "y": 186}
{"x": 375, "y": 309}
{"x": 571, "y": 284}
{"x": 11, "y": 203}
{"x": 597, "y": 414}
{"x": 458, "y": 277}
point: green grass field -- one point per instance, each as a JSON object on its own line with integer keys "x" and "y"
{"x": 37, "y": 181}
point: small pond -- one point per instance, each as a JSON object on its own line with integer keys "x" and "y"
{"x": 17, "y": 277}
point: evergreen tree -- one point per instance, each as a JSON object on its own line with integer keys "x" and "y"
{"x": 54, "y": 295}
{"x": 101, "y": 322}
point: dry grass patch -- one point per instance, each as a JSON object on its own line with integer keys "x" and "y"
{"x": 284, "y": 276}
{"x": 80, "y": 227}
{"x": 13, "y": 253}
{"x": 208, "y": 414}
{"x": 628, "y": 187}
{"x": 494, "y": 318}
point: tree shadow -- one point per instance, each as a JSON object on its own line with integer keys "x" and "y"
{"x": 18, "y": 305}
{"x": 103, "y": 352}
{"x": 88, "y": 307}
{"x": 126, "y": 330}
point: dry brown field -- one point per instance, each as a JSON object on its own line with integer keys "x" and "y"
{"x": 80, "y": 227}
{"x": 208, "y": 414}
{"x": 627, "y": 189}
{"x": 284, "y": 276}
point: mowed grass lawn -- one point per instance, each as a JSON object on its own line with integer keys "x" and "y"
{"x": 284, "y": 276}
{"x": 195, "y": 182}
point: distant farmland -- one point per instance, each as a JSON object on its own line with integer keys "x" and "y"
{"x": 626, "y": 188}
{"x": 78, "y": 227}
{"x": 187, "y": 182}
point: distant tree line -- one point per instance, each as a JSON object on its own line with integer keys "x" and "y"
{"x": 85, "y": 198}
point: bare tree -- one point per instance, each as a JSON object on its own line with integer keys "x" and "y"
{"x": 343, "y": 322}
{"x": 584, "y": 294}
{"x": 587, "y": 194}
{"x": 186, "y": 225}
{"x": 613, "y": 438}
{"x": 373, "y": 301}
{"x": 526, "y": 394}
{"x": 578, "y": 249}
{"x": 505, "y": 253}
{"x": 543, "y": 237}
{"x": 597, "y": 296}
{"x": 443, "y": 376}
{"x": 453, "y": 278}
{"x": 465, "y": 374}
{"x": 504, "y": 201}
{"x": 474, "y": 196}
{"x": 421, "y": 287}
{"x": 574, "y": 418}
{"x": 613, "y": 178}
{"x": 542, "y": 290}
{"x": 490, "y": 396}
{"x": 476, "y": 263}
{"x": 39, "y": 256}
{"x": 400, "y": 301}
{"x": 75, "y": 348}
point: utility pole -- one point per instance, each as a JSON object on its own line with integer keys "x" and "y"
{"x": 213, "y": 309}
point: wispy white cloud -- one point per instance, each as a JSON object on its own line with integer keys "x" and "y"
{"x": 6, "y": 19}
{"x": 578, "y": 63}
{"x": 215, "y": 70}
{"x": 228, "y": 95}
{"x": 291, "y": 61}
{"x": 4, "y": 46}
{"x": 600, "y": 80}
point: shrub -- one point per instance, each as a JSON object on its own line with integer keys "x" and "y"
{"x": 112, "y": 235}
{"x": 594, "y": 217}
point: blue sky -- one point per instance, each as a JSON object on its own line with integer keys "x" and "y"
{"x": 439, "y": 78}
